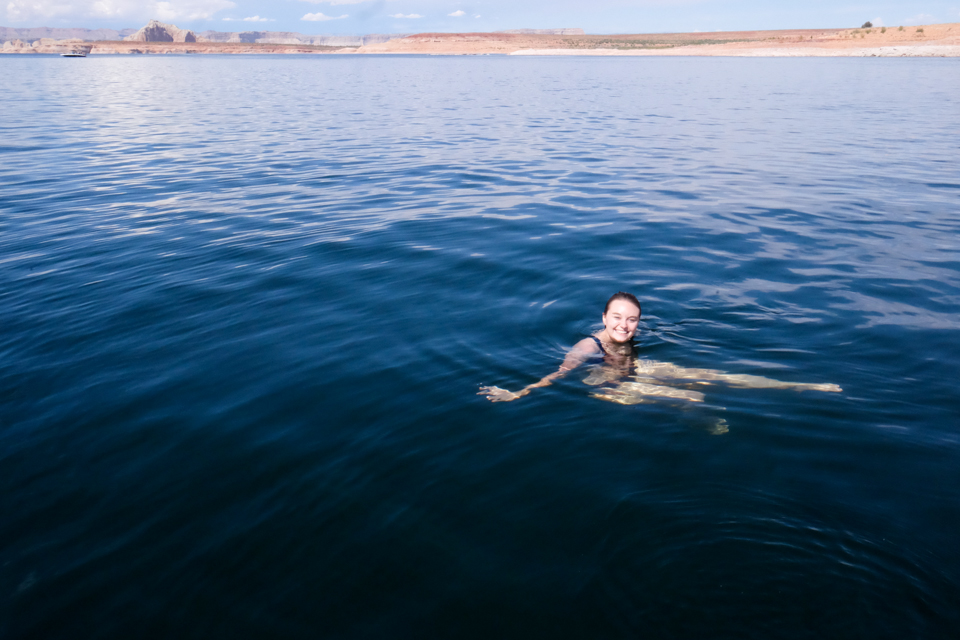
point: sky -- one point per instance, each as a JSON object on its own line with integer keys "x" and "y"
{"x": 410, "y": 16}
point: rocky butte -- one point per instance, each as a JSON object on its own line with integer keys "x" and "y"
{"x": 156, "y": 31}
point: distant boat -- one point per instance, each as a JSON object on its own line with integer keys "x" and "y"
{"x": 74, "y": 54}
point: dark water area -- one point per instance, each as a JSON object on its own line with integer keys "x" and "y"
{"x": 246, "y": 304}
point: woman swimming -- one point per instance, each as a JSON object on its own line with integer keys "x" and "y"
{"x": 615, "y": 343}
{"x": 651, "y": 379}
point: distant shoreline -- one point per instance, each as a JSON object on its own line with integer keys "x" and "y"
{"x": 940, "y": 40}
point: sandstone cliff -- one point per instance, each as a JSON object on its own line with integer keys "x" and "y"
{"x": 48, "y": 45}
{"x": 156, "y": 31}
{"x": 15, "y": 46}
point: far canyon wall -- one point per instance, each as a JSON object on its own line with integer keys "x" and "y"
{"x": 156, "y": 31}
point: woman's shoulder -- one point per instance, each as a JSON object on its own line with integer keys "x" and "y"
{"x": 590, "y": 345}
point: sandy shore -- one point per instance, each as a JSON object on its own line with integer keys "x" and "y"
{"x": 939, "y": 51}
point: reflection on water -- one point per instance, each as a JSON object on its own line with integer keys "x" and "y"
{"x": 246, "y": 306}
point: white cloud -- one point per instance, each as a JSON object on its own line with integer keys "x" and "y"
{"x": 319, "y": 17}
{"x": 409, "y": 16}
{"x": 877, "y": 22}
{"x": 19, "y": 10}
{"x": 334, "y": 2}
{"x": 190, "y": 10}
{"x": 477, "y": 16}
{"x": 920, "y": 18}
{"x": 250, "y": 19}
{"x": 33, "y": 10}
{"x": 457, "y": 13}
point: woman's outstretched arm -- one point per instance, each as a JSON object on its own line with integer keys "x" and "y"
{"x": 575, "y": 357}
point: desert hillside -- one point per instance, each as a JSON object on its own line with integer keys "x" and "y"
{"x": 941, "y": 39}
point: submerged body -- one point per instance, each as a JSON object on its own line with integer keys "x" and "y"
{"x": 660, "y": 379}
{"x": 636, "y": 380}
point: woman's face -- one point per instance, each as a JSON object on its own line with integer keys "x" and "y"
{"x": 621, "y": 320}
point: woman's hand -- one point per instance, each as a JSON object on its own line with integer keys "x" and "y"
{"x": 496, "y": 394}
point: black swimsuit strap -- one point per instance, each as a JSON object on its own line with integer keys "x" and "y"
{"x": 599, "y": 344}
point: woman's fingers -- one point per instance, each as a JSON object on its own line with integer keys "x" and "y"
{"x": 496, "y": 394}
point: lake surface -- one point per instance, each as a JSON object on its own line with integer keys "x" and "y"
{"x": 246, "y": 304}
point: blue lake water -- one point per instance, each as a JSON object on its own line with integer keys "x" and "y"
{"x": 246, "y": 304}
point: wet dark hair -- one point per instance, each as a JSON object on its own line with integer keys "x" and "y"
{"x": 620, "y": 295}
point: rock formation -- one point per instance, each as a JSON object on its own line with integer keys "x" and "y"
{"x": 15, "y": 46}
{"x": 47, "y": 45}
{"x": 156, "y": 31}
